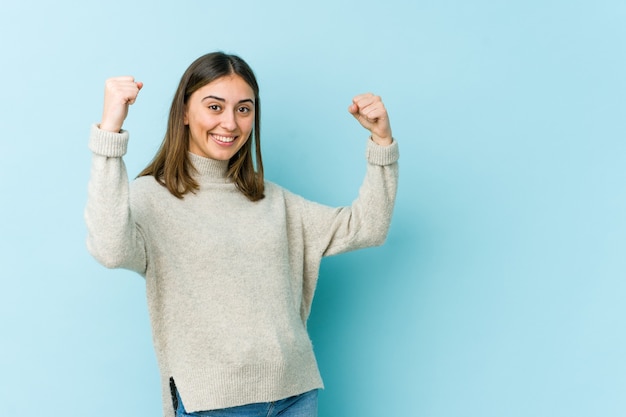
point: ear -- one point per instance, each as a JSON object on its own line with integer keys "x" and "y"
{"x": 186, "y": 117}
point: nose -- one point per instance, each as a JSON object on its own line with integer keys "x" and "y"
{"x": 228, "y": 121}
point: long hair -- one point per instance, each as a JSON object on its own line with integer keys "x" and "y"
{"x": 171, "y": 166}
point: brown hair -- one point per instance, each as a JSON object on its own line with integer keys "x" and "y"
{"x": 171, "y": 166}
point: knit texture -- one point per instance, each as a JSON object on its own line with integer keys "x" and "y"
{"x": 229, "y": 282}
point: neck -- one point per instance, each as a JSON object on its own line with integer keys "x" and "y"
{"x": 207, "y": 167}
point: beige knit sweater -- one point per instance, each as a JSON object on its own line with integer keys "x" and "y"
{"x": 229, "y": 282}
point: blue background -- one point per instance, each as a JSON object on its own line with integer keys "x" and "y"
{"x": 501, "y": 289}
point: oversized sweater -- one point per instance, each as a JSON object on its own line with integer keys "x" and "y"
{"x": 229, "y": 282}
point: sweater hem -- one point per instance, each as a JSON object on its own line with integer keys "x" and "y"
{"x": 213, "y": 389}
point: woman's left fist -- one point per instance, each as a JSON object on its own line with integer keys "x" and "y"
{"x": 370, "y": 111}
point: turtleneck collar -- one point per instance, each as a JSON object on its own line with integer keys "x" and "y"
{"x": 209, "y": 168}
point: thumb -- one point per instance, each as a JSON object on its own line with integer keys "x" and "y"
{"x": 362, "y": 119}
{"x": 132, "y": 100}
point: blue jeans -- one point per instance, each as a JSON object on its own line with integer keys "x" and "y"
{"x": 303, "y": 405}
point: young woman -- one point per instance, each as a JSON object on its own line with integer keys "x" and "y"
{"x": 230, "y": 260}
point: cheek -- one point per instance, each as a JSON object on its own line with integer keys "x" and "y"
{"x": 248, "y": 124}
{"x": 200, "y": 122}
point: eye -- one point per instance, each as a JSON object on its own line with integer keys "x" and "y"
{"x": 215, "y": 107}
{"x": 244, "y": 109}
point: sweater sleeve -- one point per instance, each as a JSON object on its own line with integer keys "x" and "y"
{"x": 365, "y": 223}
{"x": 113, "y": 238}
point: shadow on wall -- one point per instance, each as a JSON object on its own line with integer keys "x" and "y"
{"x": 365, "y": 308}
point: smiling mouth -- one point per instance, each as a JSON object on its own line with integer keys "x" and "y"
{"x": 223, "y": 139}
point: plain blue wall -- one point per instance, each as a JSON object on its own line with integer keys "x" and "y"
{"x": 501, "y": 289}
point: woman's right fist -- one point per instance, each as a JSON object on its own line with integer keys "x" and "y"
{"x": 119, "y": 93}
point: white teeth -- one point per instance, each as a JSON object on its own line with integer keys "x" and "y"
{"x": 225, "y": 139}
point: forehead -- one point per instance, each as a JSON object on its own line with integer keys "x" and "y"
{"x": 229, "y": 87}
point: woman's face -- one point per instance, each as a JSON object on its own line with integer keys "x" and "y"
{"x": 220, "y": 117}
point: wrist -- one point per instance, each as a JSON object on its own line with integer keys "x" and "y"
{"x": 109, "y": 127}
{"x": 382, "y": 141}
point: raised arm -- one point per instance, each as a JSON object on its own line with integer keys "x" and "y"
{"x": 114, "y": 238}
{"x": 366, "y": 221}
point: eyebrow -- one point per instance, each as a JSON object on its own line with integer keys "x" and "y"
{"x": 245, "y": 100}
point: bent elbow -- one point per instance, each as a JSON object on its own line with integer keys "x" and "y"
{"x": 110, "y": 259}
{"x": 379, "y": 239}
{"x": 375, "y": 237}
